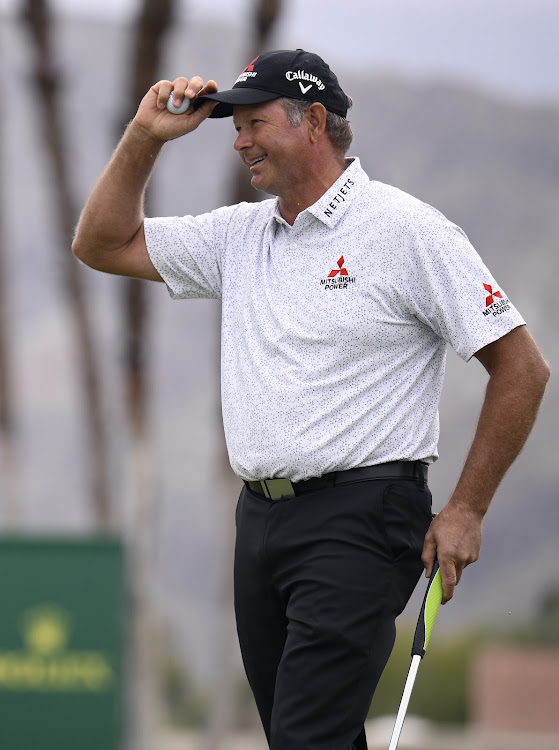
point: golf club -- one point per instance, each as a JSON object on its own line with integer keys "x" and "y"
{"x": 427, "y": 616}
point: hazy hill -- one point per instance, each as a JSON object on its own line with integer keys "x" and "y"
{"x": 490, "y": 165}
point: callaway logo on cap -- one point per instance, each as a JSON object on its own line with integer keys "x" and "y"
{"x": 295, "y": 74}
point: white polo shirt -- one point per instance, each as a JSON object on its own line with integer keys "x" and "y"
{"x": 334, "y": 330}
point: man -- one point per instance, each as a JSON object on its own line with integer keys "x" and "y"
{"x": 338, "y": 299}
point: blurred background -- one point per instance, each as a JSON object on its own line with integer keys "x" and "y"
{"x": 116, "y": 501}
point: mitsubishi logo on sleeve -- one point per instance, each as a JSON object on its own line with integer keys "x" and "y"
{"x": 495, "y": 303}
{"x": 490, "y": 299}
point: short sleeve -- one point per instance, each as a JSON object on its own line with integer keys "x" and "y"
{"x": 451, "y": 290}
{"x": 187, "y": 251}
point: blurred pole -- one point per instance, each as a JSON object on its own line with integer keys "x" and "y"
{"x": 153, "y": 20}
{"x": 9, "y": 485}
{"x": 265, "y": 14}
{"x": 37, "y": 18}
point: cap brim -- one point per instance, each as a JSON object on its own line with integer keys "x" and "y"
{"x": 228, "y": 99}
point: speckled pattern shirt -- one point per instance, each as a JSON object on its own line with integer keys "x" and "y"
{"x": 334, "y": 330}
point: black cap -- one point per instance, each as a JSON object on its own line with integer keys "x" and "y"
{"x": 295, "y": 74}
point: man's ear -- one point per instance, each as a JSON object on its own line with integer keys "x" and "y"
{"x": 316, "y": 120}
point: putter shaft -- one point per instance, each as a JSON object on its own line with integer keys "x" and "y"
{"x": 406, "y": 695}
{"x": 425, "y": 623}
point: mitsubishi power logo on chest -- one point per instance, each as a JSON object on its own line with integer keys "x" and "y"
{"x": 338, "y": 278}
{"x": 495, "y": 303}
{"x": 339, "y": 270}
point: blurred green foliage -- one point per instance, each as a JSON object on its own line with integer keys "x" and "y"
{"x": 541, "y": 630}
{"x": 442, "y": 684}
{"x": 245, "y": 711}
{"x": 441, "y": 690}
{"x": 442, "y": 687}
{"x": 184, "y": 703}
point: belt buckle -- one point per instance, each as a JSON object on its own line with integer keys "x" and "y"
{"x": 276, "y": 489}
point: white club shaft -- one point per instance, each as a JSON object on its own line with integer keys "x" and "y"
{"x": 404, "y": 702}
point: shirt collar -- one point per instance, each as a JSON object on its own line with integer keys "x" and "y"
{"x": 334, "y": 203}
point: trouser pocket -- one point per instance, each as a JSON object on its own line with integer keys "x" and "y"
{"x": 406, "y": 514}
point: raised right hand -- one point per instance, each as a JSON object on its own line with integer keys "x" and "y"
{"x": 154, "y": 117}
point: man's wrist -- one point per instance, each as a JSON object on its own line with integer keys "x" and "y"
{"x": 139, "y": 136}
{"x": 470, "y": 503}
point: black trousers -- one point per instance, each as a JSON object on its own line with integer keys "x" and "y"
{"x": 319, "y": 581}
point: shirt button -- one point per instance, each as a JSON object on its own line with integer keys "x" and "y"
{"x": 294, "y": 246}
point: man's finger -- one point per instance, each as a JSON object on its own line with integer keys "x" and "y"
{"x": 162, "y": 89}
{"x": 203, "y": 111}
{"x": 179, "y": 88}
{"x": 449, "y": 579}
{"x": 210, "y": 88}
{"x": 429, "y": 554}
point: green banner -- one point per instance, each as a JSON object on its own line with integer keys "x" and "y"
{"x": 61, "y": 630}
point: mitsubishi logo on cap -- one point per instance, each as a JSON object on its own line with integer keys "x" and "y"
{"x": 250, "y": 66}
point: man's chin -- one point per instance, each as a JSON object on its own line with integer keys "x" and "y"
{"x": 261, "y": 185}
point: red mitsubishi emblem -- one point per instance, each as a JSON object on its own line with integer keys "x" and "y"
{"x": 251, "y": 65}
{"x": 492, "y": 294}
{"x": 340, "y": 270}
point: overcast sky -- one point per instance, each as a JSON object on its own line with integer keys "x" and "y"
{"x": 508, "y": 46}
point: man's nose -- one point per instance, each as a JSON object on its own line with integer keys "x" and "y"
{"x": 242, "y": 140}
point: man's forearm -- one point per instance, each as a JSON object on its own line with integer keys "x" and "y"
{"x": 110, "y": 233}
{"x": 512, "y": 399}
{"x": 114, "y": 212}
{"x": 518, "y": 376}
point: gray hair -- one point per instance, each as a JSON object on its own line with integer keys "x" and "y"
{"x": 337, "y": 127}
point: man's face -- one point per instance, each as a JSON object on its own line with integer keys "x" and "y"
{"x": 273, "y": 150}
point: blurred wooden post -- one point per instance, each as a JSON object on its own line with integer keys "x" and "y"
{"x": 10, "y": 503}
{"x": 37, "y": 19}
{"x": 265, "y": 14}
{"x": 154, "y": 18}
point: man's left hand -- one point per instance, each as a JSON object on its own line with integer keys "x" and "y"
{"x": 455, "y": 538}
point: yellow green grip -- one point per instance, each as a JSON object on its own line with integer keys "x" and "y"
{"x": 428, "y": 614}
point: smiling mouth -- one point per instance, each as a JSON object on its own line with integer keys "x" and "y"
{"x": 252, "y": 164}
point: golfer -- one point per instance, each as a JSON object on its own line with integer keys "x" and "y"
{"x": 339, "y": 297}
